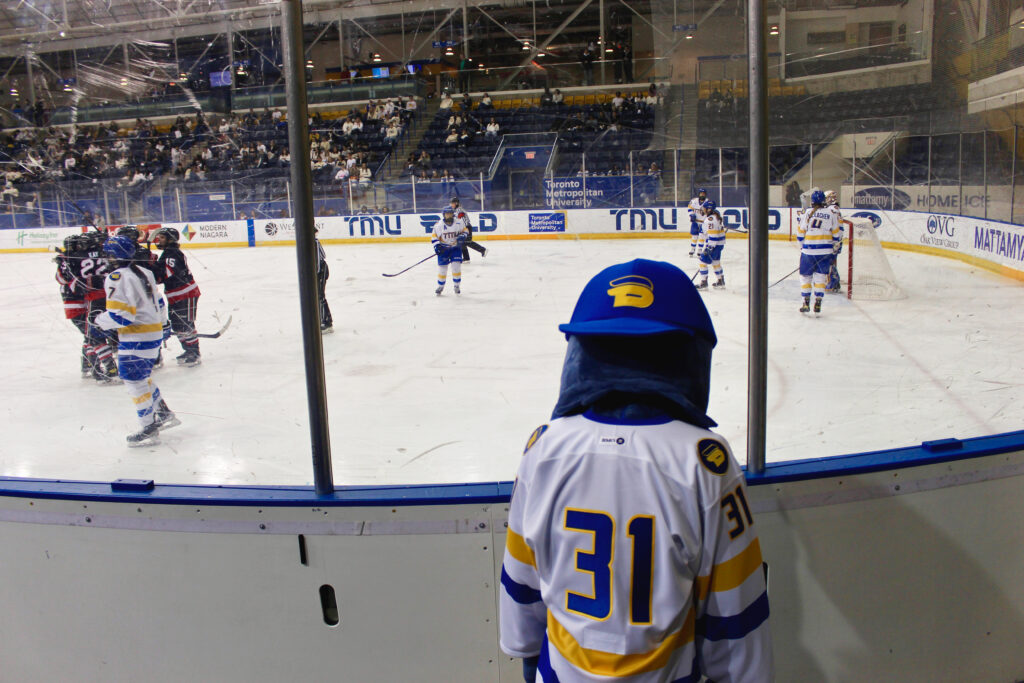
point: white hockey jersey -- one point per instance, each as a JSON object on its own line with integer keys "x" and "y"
{"x": 631, "y": 555}
{"x": 137, "y": 316}
{"x": 448, "y": 235}
{"x": 695, "y": 210}
{"x": 819, "y": 231}
{"x": 712, "y": 231}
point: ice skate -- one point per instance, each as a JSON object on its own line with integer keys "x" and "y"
{"x": 458, "y": 290}
{"x": 817, "y": 306}
{"x": 720, "y": 283}
{"x": 190, "y": 359}
{"x": 806, "y": 305}
{"x": 165, "y": 417}
{"x": 147, "y": 436}
{"x": 440, "y": 288}
{"x": 703, "y": 284}
{"x": 326, "y": 328}
{"x": 691, "y": 253}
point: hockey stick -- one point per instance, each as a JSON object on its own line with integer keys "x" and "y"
{"x": 783, "y": 278}
{"x": 409, "y": 268}
{"x": 218, "y": 332}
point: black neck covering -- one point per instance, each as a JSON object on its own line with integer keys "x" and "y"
{"x": 634, "y": 377}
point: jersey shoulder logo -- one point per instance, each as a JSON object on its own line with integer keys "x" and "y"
{"x": 115, "y": 275}
{"x": 533, "y": 437}
{"x": 635, "y": 291}
{"x": 713, "y": 456}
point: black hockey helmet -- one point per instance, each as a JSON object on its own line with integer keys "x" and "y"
{"x": 171, "y": 234}
{"x": 93, "y": 239}
{"x": 455, "y": 201}
{"x": 72, "y": 243}
{"x": 129, "y": 231}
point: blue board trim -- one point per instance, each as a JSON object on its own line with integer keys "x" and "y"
{"x": 928, "y": 453}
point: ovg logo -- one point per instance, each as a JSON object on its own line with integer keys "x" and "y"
{"x": 270, "y": 229}
{"x": 941, "y": 225}
{"x": 634, "y": 291}
{"x": 713, "y": 456}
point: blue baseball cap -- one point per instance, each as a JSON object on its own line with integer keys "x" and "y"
{"x": 638, "y": 298}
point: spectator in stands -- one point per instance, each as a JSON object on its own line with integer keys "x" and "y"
{"x": 618, "y": 101}
{"x": 453, "y": 136}
{"x": 467, "y": 102}
{"x": 652, "y": 96}
{"x": 446, "y": 101}
{"x": 492, "y": 128}
{"x": 587, "y": 63}
{"x": 410, "y": 105}
{"x": 626, "y": 53}
{"x": 365, "y": 175}
{"x": 558, "y": 98}
{"x": 455, "y": 121}
{"x": 391, "y": 133}
{"x": 9, "y": 191}
{"x": 654, "y": 171}
{"x": 486, "y": 102}
{"x": 342, "y": 174}
{"x": 793, "y": 193}
{"x": 546, "y": 98}
{"x": 465, "y": 67}
{"x": 465, "y": 137}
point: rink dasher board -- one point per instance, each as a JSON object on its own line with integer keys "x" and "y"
{"x": 992, "y": 245}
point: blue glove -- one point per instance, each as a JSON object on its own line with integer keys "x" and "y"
{"x": 438, "y": 248}
{"x": 707, "y": 252}
{"x": 461, "y": 239}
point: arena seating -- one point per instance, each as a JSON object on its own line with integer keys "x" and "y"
{"x": 583, "y": 124}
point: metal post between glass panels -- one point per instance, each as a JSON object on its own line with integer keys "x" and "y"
{"x": 757, "y": 353}
{"x": 301, "y": 176}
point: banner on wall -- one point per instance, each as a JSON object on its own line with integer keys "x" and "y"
{"x": 989, "y": 240}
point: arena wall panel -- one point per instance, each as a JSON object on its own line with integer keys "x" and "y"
{"x": 892, "y": 566}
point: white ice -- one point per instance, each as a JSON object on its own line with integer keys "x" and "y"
{"x": 426, "y": 389}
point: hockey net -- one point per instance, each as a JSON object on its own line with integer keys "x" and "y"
{"x": 867, "y": 274}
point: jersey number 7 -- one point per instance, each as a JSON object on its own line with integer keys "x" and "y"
{"x": 598, "y": 563}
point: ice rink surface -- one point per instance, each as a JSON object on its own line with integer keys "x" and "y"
{"x": 426, "y": 389}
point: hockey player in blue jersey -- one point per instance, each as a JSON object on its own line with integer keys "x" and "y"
{"x": 449, "y": 237}
{"x": 631, "y": 552}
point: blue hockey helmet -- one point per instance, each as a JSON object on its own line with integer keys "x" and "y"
{"x": 448, "y": 214}
{"x": 709, "y": 206}
{"x": 120, "y": 247}
{"x": 702, "y": 191}
{"x": 639, "y": 298}
{"x": 818, "y": 197}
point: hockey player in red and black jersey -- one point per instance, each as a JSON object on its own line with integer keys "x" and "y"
{"x": 181, "y": 291}
{"x": 90, "y": 271}
{"x": 72, "y": 293}
{"x": 470, "y": 244}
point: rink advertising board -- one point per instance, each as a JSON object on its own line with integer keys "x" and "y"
{"x": 993, "y": 244}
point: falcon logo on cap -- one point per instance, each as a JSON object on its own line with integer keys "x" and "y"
{"x": 636, "y": 291}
